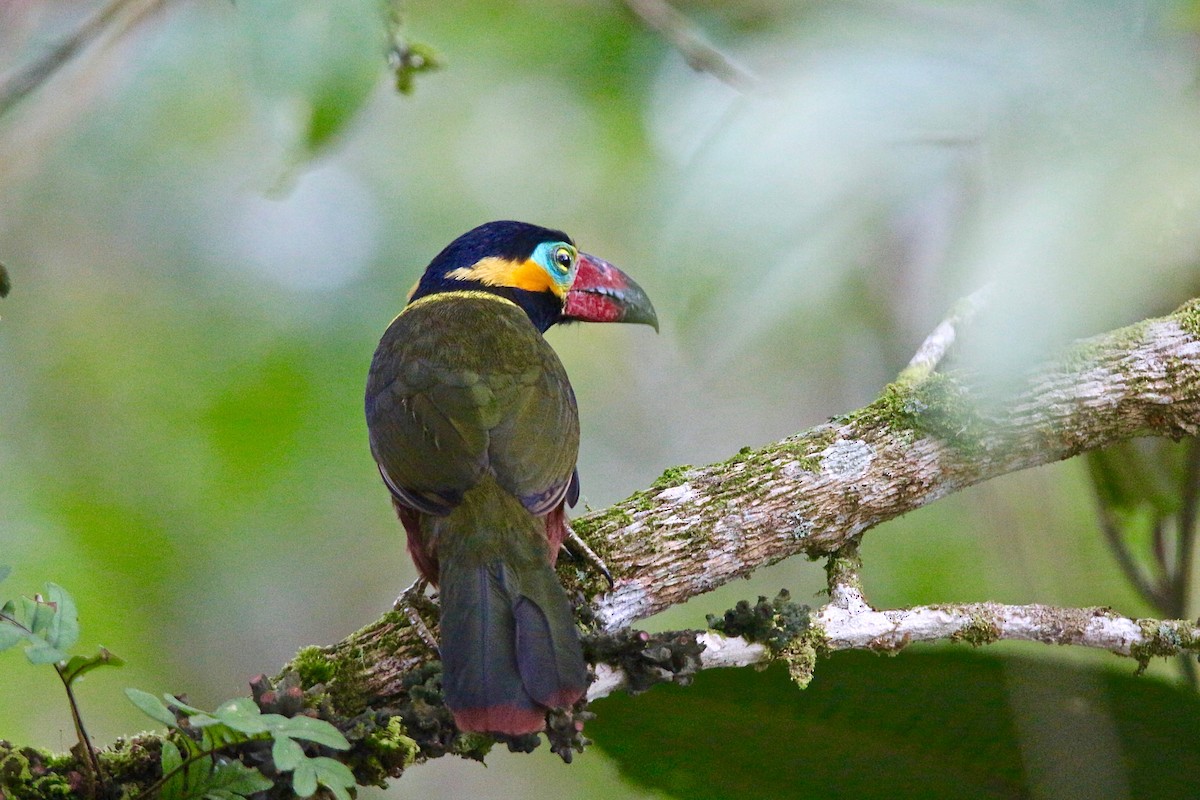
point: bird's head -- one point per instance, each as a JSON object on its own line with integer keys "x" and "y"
{"x": 540, "y": 270}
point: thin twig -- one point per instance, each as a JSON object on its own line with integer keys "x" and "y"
{"x": 1158, "y": 537}
{"x": 685, "y": 37}
{"x": 1154, "y": 595}
{"x": 1185, "y": 550}
{"x": 931, "y": 352}
{"x": 23, "y": 80}
{"x": 6, "y": 618}
{"x": 154, "y": 788}
{"x": 1187, "y": 665}
{"x": 1186, "y": 542}
{"x": 84, "y": 740}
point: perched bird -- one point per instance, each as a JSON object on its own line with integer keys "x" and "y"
{"x": 474, "y": 427}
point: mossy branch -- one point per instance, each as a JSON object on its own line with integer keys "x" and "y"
{"x": 815, "y": 493}
{"x": 857, "y": 626}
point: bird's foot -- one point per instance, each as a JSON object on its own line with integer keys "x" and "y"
{"x": 578, "y": 549}
{"x": 407, "y": 602}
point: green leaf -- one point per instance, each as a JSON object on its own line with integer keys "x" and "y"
{"x": 171, "y": 760}
{"x": 175, "y": 702}
{"x": 10, "y": 635}
{"x": 191, "y": 748}
{"x": 304, "y": 779}
{"x": 203, "y": 720}
{"x": 273, "y": 721}
{"x": 41, "y": 619}
{"x": 242, "y": 714}
{"x": 42, "y": 653}
{"x": 218, "y": 734}
{"x": 228, "y": 780}
{"x": 74, "y": 667}
{"x": 286, "y": 754}
{"x": 35, "y": 615}
{"x": 315, "y": 60}
{"x": 152, "y": 707}
{"x": 410, "y": 59}
{"x": 235, "y": 778}
{"x": 79, "y": 666}
{"x": 312, "y": 730}
{"x": 62, "y": 631}
{"x": 933, "y": 725}
{"x": 334, "y": 775}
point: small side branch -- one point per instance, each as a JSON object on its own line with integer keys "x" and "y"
{"x": 718, "y": 651}
{"x": 937, "y": 344}
{"x": 687, "y": 39}
{"x": 23, "y": 80}
{"x": 985, "y": 623}
{"x": 1149, "y": 587}
{"x": 855, "y": 626}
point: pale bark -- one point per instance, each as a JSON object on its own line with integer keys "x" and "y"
{"x": 849, "y": 623}
{"x": 922, "y": 440}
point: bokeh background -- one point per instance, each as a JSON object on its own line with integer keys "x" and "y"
{"x": 211, "y": 214}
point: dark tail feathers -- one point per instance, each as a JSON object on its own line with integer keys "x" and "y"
{"x": 510, "y": 649}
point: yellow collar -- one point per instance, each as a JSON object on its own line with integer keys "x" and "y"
{"x": 474, "y": 294}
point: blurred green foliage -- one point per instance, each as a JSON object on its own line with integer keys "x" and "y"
{"x": 943, "y": 724}
{"x": 211, "y": 217}
{"x": 323, "y": 58}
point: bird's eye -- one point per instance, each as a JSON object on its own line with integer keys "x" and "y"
{"x": 563, "y": 259}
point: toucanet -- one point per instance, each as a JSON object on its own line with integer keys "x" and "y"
{"x": 475, "y": 429}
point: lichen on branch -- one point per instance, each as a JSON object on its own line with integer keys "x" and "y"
{"x": 921, "y": 440}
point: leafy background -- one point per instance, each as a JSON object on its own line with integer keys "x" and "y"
{"x": 210, "y": 218}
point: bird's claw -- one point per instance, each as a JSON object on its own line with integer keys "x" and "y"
{"x": 407, "y": 602}
{"x": 579, "y": 550}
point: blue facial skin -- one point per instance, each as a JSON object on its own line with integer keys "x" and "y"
{"x": 560, "y": 260}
